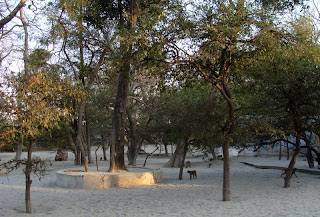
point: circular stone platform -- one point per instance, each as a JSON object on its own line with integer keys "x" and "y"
{"x": 103, "y": 180}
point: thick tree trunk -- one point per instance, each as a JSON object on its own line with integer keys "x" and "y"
{"x": 27, "y": 174}
{"x": 119, "y": 122}
{"x": 177, "y": 157}
{"x": 119, "y": 115}
{"x": 185, "y": 149}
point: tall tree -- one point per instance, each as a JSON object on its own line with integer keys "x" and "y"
{"x": 222, "y": 34}
{"x": 84, "y": 54}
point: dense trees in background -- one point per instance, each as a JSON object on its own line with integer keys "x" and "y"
{"x": 195, "y": 74}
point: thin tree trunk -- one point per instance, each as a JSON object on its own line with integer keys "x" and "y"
{"x": 226, "y": 193}
{"x": 310, "y": 158}
{"x": 133, "y": 142}
{"x": 288, "y": 153}
{"x": 211, "y": 149}
{"x": 293, "y": 161}
{"x": 88, "y": 134}
{"x": 104, "y": 146}
{"x": 280, "y": 150}
{"x": 166, "y": 149}
{"x": 79, "y": 135}
{"x": 28, "y": 179}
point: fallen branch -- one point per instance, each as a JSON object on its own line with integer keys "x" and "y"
{"x": 313, "y": 172}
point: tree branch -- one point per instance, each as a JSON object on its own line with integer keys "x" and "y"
{"x": 8, "y": 18}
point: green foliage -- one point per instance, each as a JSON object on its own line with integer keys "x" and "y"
{"x": 190, "y": 112}
{"x": 284, "y": 81}
{"x": 39, "y": 57}
{"x": 36, "y": 104}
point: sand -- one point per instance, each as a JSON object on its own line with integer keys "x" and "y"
{"x": 254, "y": 192}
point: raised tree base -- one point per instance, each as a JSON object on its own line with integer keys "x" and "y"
{"x": 104, "y": 180}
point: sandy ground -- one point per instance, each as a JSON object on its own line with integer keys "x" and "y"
{"x": 254, "y": 192}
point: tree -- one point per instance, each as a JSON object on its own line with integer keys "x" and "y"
{"x": 286, "y": 78}
{"x": 34, "y": 106}
{"x": 84, "y": 55}
{"x": 221, "y": 34}
{"x": 131, "y": 19}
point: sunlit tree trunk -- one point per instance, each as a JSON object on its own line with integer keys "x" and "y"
{"x": 119, "y": 115}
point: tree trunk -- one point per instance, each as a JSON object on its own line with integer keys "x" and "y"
{"x": 119, "y": 122}
{"x": 185, "y": 149}
{"x": 73, "y": 148}
{"x": 280, "y": 151}
{"x": 19, "y": 150}
{"x": 288, "y": 153}
{"x": 309, "y": 154}
{"x": 226, "y": 171}
{"x": 211, "y": 150}
{"x": 166, "y": 153}
{"x": 177, "y": 157}
{"x": 27, "y": 174}
{"x": 77, "y": 160}
{"x": 88, "y": 134}
{"x": 226, "y": 192}
{"x": 133, "y": 145}
{"x": 294, "y": 159}
{"x": 79, "y": 136}
{"x": 119, "y": 115}
{"x": 104, "y": 146}
{"x": 310, "y": 158}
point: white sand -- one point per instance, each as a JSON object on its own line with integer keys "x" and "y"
{"x": 254, "y": 192}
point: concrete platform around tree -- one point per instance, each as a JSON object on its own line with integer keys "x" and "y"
{"x": 103, "y": 180}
